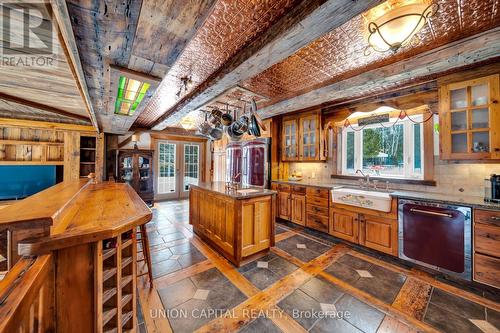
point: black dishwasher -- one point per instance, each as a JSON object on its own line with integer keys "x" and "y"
{"x": 436, "y": 236}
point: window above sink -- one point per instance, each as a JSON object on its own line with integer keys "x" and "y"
{"x": 394, "y": 149}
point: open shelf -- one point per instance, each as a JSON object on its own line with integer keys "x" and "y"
{"x": 87, "y": 155}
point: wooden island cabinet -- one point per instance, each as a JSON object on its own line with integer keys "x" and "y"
{"x": 237, "y": 224}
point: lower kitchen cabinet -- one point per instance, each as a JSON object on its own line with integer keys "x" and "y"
{"x": 487, "y": 247}
{"x": 344, "y": 225}
{"x": 379, "y": 233}
{"x": 298, "y": 209}
{"x": 284, "y": 205}
{"x": 312, "y": 207}
{"x": 357, "y": 225}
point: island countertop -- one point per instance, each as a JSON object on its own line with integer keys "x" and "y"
{"x": 240, "y": 194}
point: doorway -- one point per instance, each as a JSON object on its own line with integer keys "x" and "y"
{"x": 179, "y": 165}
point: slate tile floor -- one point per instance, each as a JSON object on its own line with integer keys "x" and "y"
{"x": 172, "y": 251}
{"x": 209, "y": 290}
{"x": 267, "y": 270}
{"x": 451, "y": 313}
{"x": 351, "y": 315}
{"x": 295, "y": 246}
{"x": 375, "y": 280}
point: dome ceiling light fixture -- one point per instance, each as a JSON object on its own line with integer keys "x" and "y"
{"x": 398, "y": 27}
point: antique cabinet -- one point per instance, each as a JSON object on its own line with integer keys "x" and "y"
{"x": 469, "y": 118}
{"x": 135, "y": 167}
{"x": 302, "y": 137}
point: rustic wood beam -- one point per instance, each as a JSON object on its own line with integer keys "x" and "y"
{"x": 40, "y": 106}
{"x": 430, "y": 86}
{"x": 126, "y": 141}
{"x": 474, "y": 49}
{"x": 303, "y": 24}
{"x": 68, "y": 44}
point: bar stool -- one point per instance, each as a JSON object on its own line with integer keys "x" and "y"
{"x": 146, "y": 253}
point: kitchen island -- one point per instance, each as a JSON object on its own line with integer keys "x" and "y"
{"x": 237, "y": 224}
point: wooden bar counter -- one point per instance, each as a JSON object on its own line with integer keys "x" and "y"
{"x": 83, "y": 237}
{"x": 237, "y": 224}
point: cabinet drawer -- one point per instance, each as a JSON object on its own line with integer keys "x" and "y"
{"x": 318, "y": 192}
{"x": 298, "y": 189}
{"x": 284, "y": 187}
{"x": 487, "y": 217}
{"x": 487, "y": 239}
{"x": 487, "y": 270}
{"x": 317, "y": 210}
{"x": 318, "y": 201}
{"x": 317, "y": 222}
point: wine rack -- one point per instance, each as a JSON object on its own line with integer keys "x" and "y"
{"x": 116, "y": 279}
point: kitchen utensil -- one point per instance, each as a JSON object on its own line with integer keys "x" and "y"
{"x": 216, "y": 133}
{"x": 205, "y": 127}
{"x": 216, "y": 117}
{"x": 226, "y": 118}
{"x": 241, "y": 124}
{"x": 253, "y": 126}
{"x": 234, "y": 136}
{"x": 253, "y": 110}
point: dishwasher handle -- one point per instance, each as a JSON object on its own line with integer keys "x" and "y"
{"x": 429, "y": 212}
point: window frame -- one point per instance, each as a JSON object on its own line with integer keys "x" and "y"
{"x": 408, "y": 149}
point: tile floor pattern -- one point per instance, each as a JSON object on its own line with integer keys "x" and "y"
{"x": 210, "y": 290}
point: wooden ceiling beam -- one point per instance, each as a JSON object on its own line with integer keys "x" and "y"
{"x": 303, "y": 24}
{"x": 393, "y": 94}
{"x": 68, "y": 44}
{"x": 40, "y": 106}
{"x": 475, "y": 49}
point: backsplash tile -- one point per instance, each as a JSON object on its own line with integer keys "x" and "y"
{"x": 449, "y": 176}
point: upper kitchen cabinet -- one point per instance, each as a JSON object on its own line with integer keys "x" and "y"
{"x": 470, "y": 119}
{"x": 302, "y": 137}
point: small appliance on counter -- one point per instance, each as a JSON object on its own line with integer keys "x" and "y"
{"x": 492, "y": 188}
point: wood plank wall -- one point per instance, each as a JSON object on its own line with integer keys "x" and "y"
{"x": 42, "y": 143}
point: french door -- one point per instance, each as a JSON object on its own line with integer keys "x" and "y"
{"x": 178, "y": 167}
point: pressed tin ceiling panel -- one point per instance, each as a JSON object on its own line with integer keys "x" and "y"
{"x": 232, "y": 25}
{"x": 339, "y": 54}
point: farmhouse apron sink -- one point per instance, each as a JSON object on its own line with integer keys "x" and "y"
{"x": 376, "y": 200}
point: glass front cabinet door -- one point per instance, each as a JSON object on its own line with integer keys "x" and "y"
{"x": 309, "y": 133}
{"x": 302, "y": 137}
{"x": 290, "y": 147}
{"x": 470, "y": 119}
